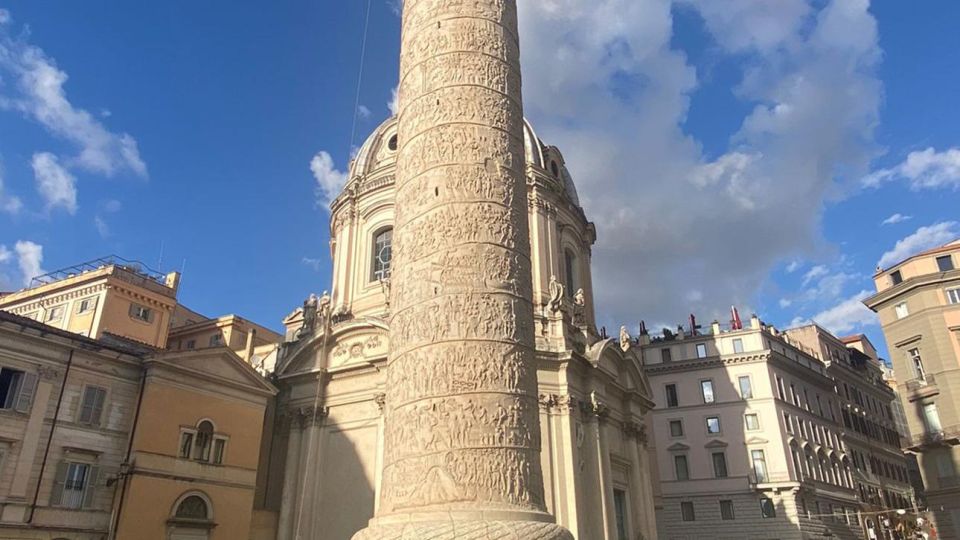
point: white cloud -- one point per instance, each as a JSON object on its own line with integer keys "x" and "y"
{"x": 785, "y": 302}
{"x": 5, "y": 254}
{"x": 923, "y": 239}
{"x": 793, "y": 267}
{"x": 924, "y": 169}
{"x": 101, "y": 225}
{"x": 329, "y": 180}
{"x": 8, "y": 203}
{"x": 896, "y": 218}
{"x": 54, "y": 183}
{"x": 363, "y": 112}
{"x": 394, "y": 103}
{"x": 40, "y": 95}
{"x": 814, "y": 273}
{"x": 606, "y": 86}
{"x": 315, "y": 264}
{"x": 29, "y": 259}
{"x": 848, "y": 315}
{"x": 4, "y": 16}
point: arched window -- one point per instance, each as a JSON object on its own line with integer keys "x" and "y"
{"x": 193, "y": 507}
{"x": 201, "y": 448}
{"x": 569, "y": 271}
{"x": 382, "y": 253}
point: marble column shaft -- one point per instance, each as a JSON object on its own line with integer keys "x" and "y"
{"x": 462, "y": 442}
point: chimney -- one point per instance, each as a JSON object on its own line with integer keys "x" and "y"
{"x": 715, "y": 328}
{"x": 755, "y": 322}
{"x": 248, "y": 352}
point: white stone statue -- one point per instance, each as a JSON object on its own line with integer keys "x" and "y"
{"x": 624, "y": 339}
{"x": 556, "y": 294}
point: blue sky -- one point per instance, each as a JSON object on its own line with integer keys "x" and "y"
{"x": 738, "y": 155}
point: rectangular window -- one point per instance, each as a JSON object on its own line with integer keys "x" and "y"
{"x": 620, "y": 511}
{"x": 706, "y": 390}
{"x": 931, "y": 418}
{"x": 794, "y": 395}
{"x": 676, "y": 428}
{"x": 780, "y": 392}
{"x": 219, "y": 445}
{"x": 86, "y": 305}
{"x": 944, "y": 263}
{"x": 191, "y": 344}
{"x": 680, "y": 467}
{"x": 665, "y": 355}
{"x": 752, "y": 421}
{"x": 787, "y": 422}
{"x": 726, "y": 510}
{"x": 901, "y": 310}
{"x": 713, "y": 425}
{"x": 70, "y": 490}
{"x": 672, "y": 400}
{"x": 759, "y": 465}
{"x": 91, "y": 408}
{"x": 701, "y": 350}
{"x": 738, "y": 345}
{"x": 55, "y": 313}
{"x": 746, "y": 389}
{"x": 953, "y": 296}
{"x": 767, "y": 509}
{"x": 917, "y": 362}
{"x": 896, "y": 277}
{"x": 719, "y": 465}
{"x": 17, "y": 389}
{"x": 186, "y": 444}
{"x": 686, "y": 511}
{"x": 141, "y": 313}
{"x": 215, "y": 340}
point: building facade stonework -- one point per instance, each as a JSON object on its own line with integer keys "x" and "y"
{"x": 590, "y": 397}
{"x": 918, "y": 304}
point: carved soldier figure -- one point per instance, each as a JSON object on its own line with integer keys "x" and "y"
{"x": 309, "y": 316}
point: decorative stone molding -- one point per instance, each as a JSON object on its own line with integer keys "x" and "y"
{"x": 48, "y": 373}
{"x": 381, "y": 401}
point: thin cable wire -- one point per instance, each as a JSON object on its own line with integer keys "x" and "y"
{"x": 356, "y": 100}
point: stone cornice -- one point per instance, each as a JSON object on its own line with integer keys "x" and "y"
{"x": 877, "y": 300}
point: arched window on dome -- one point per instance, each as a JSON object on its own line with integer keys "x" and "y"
{"x": 382, "y": 253}
{"x": 570, "y": 272}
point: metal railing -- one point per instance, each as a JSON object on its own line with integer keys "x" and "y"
{"x": 949, "y": 435}
{"x": 133, "y": 267}
{"x": 921, "y": 382}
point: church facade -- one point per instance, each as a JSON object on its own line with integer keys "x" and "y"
{"x": 321, "y": 469}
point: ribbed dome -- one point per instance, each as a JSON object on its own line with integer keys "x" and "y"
{"x": 379, "y": 152}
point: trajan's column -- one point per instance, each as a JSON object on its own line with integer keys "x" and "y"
{"x": 462, "y": 449}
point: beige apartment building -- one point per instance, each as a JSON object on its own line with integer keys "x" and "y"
{"x": 866, "y": 406}
{"x": 104, "y": 296}
{"x": 918, "y": 303}
{"x": 107, "y": 438}
{"x": 747, "y": 436}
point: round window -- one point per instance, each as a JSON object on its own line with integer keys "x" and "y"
{"x": 392, "y": 143}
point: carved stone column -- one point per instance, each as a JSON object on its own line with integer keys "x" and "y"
{"x": 290, "y": 495}
{"x": 462, "y": 444}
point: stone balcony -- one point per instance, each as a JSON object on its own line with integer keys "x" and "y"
{"x": 947, "y": 436}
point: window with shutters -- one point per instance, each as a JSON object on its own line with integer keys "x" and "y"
{"x": 719, "y": 465}
{"x": 74, "y": 485}
{"x": 202, "y": 443}
{"x": 680, "y": 467}
{"x": 17, "y": 389}
{"x": 91, "y": 407}
{"x": 86, "y": 305}
{"x": 141, "y": 313}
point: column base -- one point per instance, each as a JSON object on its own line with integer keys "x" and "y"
{"x": 463, "y": 529}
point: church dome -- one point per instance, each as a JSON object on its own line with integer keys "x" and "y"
{"x": 378, "y": 154}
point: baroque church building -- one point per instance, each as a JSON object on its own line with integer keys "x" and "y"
{"x": 321, "y": 469}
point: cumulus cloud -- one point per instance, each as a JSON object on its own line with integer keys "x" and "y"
{"x": 29, "y": 259}
{"x": 315, "y": 264}
{"x": 5, "y": 254}
{"x": 923, "y": 239}
{"x": 924, "y": 169}
{"x": 850, "y": 314}
{"x": 815, "y": 272}
{"x": 54, "y": 183}
{"x": 607, "y": 85}
{"x": 38, "y": 93}
{"x": 329, "y": 180}
{"x": 8, "y": 203}
{"x": 896, "y": 218}
{"x": 394, "y": 103}
{"x": 363, "y": 112}
{"x": 793, "y": 267}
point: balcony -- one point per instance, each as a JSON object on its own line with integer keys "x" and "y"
{"x": 948, "y": 436}
{"x": 922, "y": 387}
{"x": 768, "y": 479}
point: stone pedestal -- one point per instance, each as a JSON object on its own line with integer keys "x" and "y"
{"x": 462, "y": 444}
